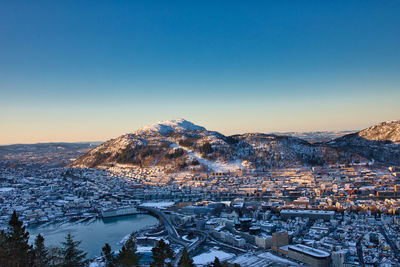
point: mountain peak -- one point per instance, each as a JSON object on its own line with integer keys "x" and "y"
{"x": 385, "y": 131}
{"x": 177, "y": 125}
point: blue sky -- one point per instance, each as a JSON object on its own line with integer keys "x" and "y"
{"x": 92, "y": 70}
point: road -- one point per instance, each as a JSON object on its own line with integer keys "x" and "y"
{"x": 202, "y": 237}
{"x": 359, "y": 252}
{"x": 390, "y": 242}
{"x": 173, "y": 233}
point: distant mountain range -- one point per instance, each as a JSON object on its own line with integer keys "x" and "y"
{"x": 55, "y": 154}
{"x": 316, "y": 136}
{"x": 180, "y": 145}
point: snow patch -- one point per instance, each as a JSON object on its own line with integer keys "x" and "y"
{"x": 216, "y": 166}
{"x": 272, "y": 257}
{"x": 6, "y": 189}
{"x": 143, "y": 249}
{"x": 209, "y": 256}
{"x": 178, "y": 125}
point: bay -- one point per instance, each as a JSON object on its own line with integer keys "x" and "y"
{"x": 95, "y": 234}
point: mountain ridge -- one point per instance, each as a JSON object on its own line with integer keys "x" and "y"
{"x": 179, "y": 144}
{"x": 379, "y": 142}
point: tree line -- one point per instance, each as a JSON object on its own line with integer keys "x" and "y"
{"x": 15, "y": 251}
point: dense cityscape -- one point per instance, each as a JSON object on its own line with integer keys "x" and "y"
{"x": 336, "y": 215}
{"x": 199, "y": 133}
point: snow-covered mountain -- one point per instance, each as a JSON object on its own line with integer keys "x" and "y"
{"x": 385, "y": 131}
{"x": 178, "y": 145}
{"x": 379, "y": 142}
{"x": 174, "y": 144}
{"x": 167, "y": 127}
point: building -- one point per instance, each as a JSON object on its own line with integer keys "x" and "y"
{"x": 312, "y": 214}
{"x": 263, "y": 241}
{"x": 119, "y": 212}
{"x": 309, "y": 255}
{"x": 338, "y": 258}
{"x": 279, "y": 239}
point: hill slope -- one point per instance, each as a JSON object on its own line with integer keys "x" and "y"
{"x": 178, "y": 145}
{"x": 379, "y": 143}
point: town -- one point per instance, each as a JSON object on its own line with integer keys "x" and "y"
{"x": 339, "y": 215}
{"x": 199, "y": 133}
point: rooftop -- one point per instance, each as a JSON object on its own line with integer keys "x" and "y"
{"x": 310, "y": 251}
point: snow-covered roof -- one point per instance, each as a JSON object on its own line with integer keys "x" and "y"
{"x": 6, "y": 189}
{"x": 326, "y": 212}
{"x": 310, "y": 251}
{"x": 209, "y": 256}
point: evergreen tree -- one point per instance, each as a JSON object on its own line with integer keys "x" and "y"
{"x": 127, "y": 256}
{"x": 108, "y": 256}
{"x": 161, "y": 253}
{"x": 72, "y": 256}
{"x": 40, "y": 253}
{"x": 55, "y": 256}
{"x": 216, "y": 263}
{"x": 3, "y": 248}
{"x": 185, "y": 260}
{"x": 18, "y": 251}
{"x": 206, "y": 149}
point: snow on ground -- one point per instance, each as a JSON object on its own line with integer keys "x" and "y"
{"x": 272, "y": 257}
{"x": 171, "y": 125}
{"x": 142, "y": 249}
{"x": 6, "y": 189}
{"x": 219, "y": 166}
{"x": 216, "y": 166}
{"x": 160, "y": 205}
{"x": 227, "y": 203}
{"x": 97, "y": 264}
{"x": 208, "y": 257}
{"x": 123, "y": 240}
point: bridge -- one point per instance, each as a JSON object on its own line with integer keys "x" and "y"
{"x": 173, "y": 233}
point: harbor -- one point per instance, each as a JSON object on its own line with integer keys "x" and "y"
{"x": 94, "y": 232}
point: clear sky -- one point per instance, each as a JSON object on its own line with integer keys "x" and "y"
{"x": 93, "y": 70}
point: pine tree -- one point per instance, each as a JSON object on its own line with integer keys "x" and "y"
{"x": 206, "y": 149}
{"x": 3, "y": 248}
{"x": 40, "y": 253}
{"x": 127, "y": 256}
{"x": 72, "y": 256}
{"x": 55, "y": 256}
{"x": 161, "y": 253}
{"x": 108, "y": 256}
{"x": 18, "y": 250}
{"x": 216, "y": 263}
{"x": 185, "y": 260}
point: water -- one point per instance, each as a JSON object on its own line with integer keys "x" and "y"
{"x": 96, "y": 234}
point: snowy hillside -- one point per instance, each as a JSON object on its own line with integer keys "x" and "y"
{"x": 180, "y": 145}
{"x": 165, "y": 127}
{"x": 385, "y": 131}
{"x": 379, "y": 143}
